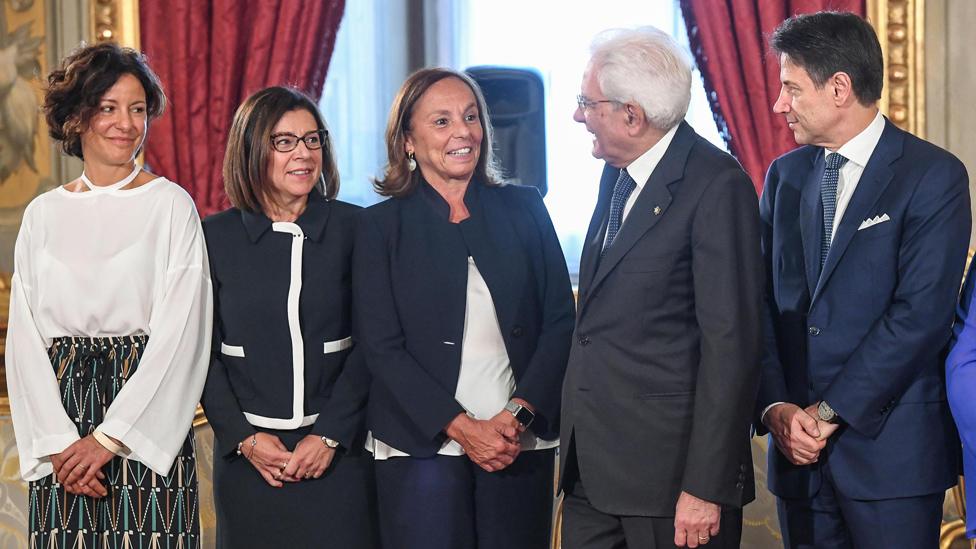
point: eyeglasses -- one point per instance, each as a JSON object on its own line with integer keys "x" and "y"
{"x": 286, "y": 142}
{"x": 585, "y": 103}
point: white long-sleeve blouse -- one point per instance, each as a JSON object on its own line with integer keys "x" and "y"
{"x": 110, "y": 262}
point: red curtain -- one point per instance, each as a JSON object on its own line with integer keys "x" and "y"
{"x": 729, "y": 41}
{"x": 212, "y": 54}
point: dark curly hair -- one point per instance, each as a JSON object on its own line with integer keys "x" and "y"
{"x": 75, "y": 88}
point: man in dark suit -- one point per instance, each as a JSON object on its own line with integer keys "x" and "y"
{"x": 664, "y": 366}
{"x": 865, "y": 232}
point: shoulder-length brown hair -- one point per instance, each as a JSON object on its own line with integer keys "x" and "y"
{"x": 397, "y": 179}
{"x": 75, "y": 88}
{"x": 248, "y": 151}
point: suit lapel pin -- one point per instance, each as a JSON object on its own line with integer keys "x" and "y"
{"x": 657, "y": 210}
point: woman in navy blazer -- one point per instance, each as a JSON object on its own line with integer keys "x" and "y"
{"x": 465, "y": 311}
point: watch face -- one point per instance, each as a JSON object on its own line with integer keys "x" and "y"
{"x": 524, "y": 416}
{"x": 825, "y": 412}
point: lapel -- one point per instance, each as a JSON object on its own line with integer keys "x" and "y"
{"x": 655, "y": 194}
{"x": 811, "y": 219}
{"x": 875, "y": 179}
{"x": 496, "y": 247}
{"x": 598, "y": 228}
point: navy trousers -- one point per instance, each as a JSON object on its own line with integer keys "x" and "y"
{"x": 448, "y": 502}
{"x": 831, "y": 520}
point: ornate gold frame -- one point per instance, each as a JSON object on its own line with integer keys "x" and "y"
{"x": 114, "y": 20}
{"x": 900, "y": 25}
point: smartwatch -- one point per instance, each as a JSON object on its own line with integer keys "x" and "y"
{"x": 522, "y": 414}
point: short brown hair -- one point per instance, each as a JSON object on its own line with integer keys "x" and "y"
{"x": 78, "y": 84}
{"x": 249, "y": 147}
{"x": 397, "y": 179}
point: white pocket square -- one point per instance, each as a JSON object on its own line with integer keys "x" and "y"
{"x": 871, "y": 222}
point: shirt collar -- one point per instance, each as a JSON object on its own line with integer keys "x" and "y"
{"x": 640, "y": 170}
{"x": 859, "y": 149}
{"x": 312, "y": 221}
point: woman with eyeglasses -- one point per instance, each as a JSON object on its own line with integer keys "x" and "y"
{"x": 287, "y": 387}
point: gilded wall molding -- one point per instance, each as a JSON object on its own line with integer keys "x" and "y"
{"x": 115, "y": 21}
{"x": 900, "y": 25}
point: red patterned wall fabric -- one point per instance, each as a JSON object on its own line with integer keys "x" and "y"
{"x": 729, "y": 39}
{"x": 210, "y": 55}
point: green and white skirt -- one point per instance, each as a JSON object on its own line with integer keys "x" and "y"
{"x": 142, "y": 509}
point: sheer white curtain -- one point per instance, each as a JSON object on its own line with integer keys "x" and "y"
{"x": 553, "y": 36}
{"x": 368, "y": 65}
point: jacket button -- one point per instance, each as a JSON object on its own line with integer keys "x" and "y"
{"x": 813, "y": 330}
{"x": 743, "y": 468}
{"x": 517, "y": 331}
{"x": 584, "y": 341}
{"x": 740, "y": 485}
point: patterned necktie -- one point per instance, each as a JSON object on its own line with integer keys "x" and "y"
{"x": 828, "y": 197}
{"x": 621, "y": 192}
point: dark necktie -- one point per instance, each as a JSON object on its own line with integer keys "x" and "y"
{"x": 828, "y": 197}
{"x": 621, "y": 192}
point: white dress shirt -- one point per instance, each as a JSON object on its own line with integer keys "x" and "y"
{"x": 110, "y": 262}
{"x": 857, "y": 151}
{"x": 640, "y": 171}
{"x": 486, "y": 381}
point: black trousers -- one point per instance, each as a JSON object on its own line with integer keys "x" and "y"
{"x": 586, "y": 527}
{"x": 448, "y": 502}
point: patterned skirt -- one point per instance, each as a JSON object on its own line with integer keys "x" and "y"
{"x": 142, "y": 509}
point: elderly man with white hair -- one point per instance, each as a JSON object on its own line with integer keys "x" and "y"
{"x": 663, "y": 372}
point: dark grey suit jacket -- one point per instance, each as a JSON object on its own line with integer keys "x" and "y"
{"x": 664, "y": 367}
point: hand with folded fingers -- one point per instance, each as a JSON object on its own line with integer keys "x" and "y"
{"x": 489, "y": 444}
{"x": 269, "y": 456}
{"x": 79, "y": 467}
{"x": 310, "y": 459}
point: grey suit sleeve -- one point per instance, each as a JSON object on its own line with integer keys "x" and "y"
{"x": 728, "y": 283}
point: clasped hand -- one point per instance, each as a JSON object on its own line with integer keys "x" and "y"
{"x": 799, "y": 433}
{"x": 492, "y": 444}
{"x": 277, "y": 465}
{"x": 79, "y": 467}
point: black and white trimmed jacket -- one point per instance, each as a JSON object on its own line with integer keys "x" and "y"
{"x": 283, "y": 352}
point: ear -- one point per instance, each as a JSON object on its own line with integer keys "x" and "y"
{"x": 407, "y": 144}
{"x": 842, "y": 90}
{"x": 635, "y": 120}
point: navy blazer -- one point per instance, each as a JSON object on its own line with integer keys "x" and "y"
{"x": 410, "y": 266}
{"x": 867, "y": 335}
{"x": 283, "y": 319}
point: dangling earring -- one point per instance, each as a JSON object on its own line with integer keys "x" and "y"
{"x": 411, "y": 162}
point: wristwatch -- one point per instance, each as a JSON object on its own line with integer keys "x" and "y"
{"x": 826, "y": 413}
{"x": 522, "y": 414}
{"x": 330, "y": 443}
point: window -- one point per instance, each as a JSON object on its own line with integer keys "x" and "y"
{"x": 553, "y": 37}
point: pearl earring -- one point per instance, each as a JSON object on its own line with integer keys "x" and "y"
{"x": 411, "y": 162}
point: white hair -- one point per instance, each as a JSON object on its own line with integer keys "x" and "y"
{"x": 647, "y": 67}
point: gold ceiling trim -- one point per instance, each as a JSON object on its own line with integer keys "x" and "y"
{"x": 900, "y": 25}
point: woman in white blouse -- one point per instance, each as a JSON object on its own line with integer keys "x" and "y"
{"x": 109, "y": 329}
